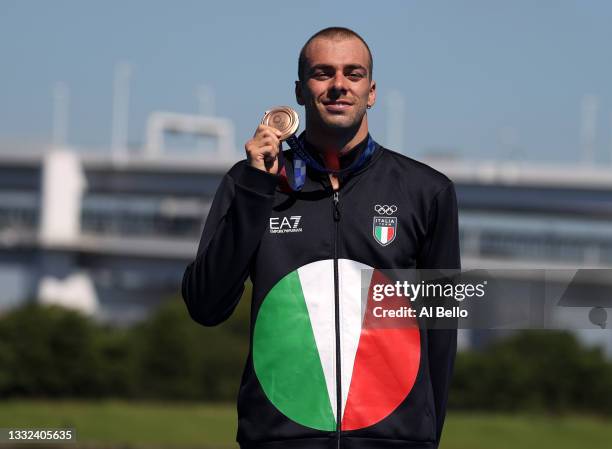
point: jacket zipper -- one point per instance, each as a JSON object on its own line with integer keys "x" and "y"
{"x": 336, "y": 212}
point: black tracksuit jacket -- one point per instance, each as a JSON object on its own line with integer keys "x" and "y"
{"x": 317, "y": 376}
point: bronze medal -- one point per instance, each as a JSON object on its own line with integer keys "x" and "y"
{"x": 284, "y": 119}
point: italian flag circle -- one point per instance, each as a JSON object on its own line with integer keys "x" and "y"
{"x": 294, "y": 347}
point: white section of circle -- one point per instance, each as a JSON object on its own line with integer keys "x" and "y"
{"x": 352, "y": 310}
{"x": 317, "y": 280}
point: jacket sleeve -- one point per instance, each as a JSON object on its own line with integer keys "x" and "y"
{"x": 441, "y": 251}
{"x": 214, "y": 281}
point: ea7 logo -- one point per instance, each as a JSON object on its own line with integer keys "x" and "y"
{"x": 281, "y": 225}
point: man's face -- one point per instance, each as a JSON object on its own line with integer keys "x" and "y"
{"x": 336, "y": 87}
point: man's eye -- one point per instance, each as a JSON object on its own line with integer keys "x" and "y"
{"x": 320, "y": 75}
{"x": 356, "y": 75}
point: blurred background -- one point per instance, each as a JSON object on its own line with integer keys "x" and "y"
{"x": 118, "y": 120}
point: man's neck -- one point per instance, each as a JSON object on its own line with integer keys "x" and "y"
{"x": 340, "y": 143}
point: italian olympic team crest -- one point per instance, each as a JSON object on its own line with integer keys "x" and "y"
{"x": 294, "y": 348}
{"x": 384, "y": 228}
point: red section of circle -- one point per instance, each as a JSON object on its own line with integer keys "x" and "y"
{"x": 386, "y": 363}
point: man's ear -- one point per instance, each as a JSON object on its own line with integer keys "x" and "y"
{"x": 372, "y": 94}
{"x": 298, "y": 93}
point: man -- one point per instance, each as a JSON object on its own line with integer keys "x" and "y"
{"x": 321, "y": 371}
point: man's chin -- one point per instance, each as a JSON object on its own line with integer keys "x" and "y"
{"x": 339, "y": 122}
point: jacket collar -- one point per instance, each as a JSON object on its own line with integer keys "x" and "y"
{"x": 345, "y": 160}
{"x": 322, "y": 179}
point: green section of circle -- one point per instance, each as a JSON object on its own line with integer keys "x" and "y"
{"x": 286, "y": 359}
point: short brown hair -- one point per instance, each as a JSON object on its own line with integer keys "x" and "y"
{"x": 333, "y": 33}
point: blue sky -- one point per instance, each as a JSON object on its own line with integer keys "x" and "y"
{"x": 466, "y": 69}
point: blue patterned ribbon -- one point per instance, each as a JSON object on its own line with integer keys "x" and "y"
{"x": 302, "y": 158}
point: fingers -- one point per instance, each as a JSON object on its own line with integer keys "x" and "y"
{"x": 266, "y": 135}
{"x": 263, "y": 148}
{"x": 265, "y": 130}
{"x": 266, "y": 140}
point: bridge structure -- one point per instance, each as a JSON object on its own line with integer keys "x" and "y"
{"x": 111, "y": 235}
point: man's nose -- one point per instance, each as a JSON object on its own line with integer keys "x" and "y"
{"x": 339, "y": 82}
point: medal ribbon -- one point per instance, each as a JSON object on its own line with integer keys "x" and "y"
{"x": 303, "y": 158}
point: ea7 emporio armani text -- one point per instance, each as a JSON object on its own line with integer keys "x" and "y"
{"x": 281, "y": 225}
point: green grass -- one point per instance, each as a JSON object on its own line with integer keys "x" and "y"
{"x": 138, "y": 424}
{"x": 185, "y": 425}
{"x": 502, "y": 431}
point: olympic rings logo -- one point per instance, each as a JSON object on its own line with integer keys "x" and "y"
{"x": 385, "y": 210}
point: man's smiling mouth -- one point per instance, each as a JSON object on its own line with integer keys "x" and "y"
{"x": 337, "y": 106}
